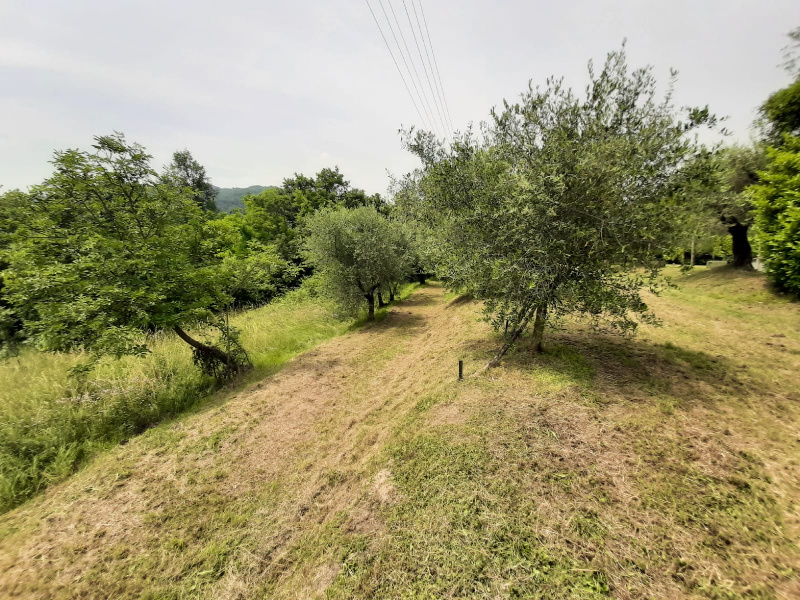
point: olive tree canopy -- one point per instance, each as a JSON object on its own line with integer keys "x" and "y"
{"x": 559, "y": 206}
{"x": 355, "y": 252}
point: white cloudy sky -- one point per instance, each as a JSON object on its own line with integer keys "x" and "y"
{"x": 259, "y": 90}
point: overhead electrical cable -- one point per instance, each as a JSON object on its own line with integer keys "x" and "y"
{"x": 436, "y": 64}
{"x": 430, "y": 64}
{"x": 413, "y": 64}
{"x": 425, "y": 68}
{"x": 395, "y": 62}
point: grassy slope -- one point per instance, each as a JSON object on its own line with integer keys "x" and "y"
{"x": 51, "y": 423}
{"x": 664, "y": 467}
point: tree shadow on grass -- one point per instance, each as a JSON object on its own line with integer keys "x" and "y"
{"x": 393, "y": 317}
{"x": 418, "y": 299}
{"x": 461, "y": 300}
{"x": 608, "y": 368}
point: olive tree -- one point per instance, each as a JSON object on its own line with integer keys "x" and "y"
{"x": 355, "y": 252}
{"x": 559, "y": 206}
{"x": 108, "y": 251}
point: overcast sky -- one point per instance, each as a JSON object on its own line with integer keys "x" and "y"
{"x": 260, "y": 90}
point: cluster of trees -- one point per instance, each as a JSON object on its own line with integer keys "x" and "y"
{"x": 751, "y": 192}
{"x": 569, "y": 203}
{"x": 107, "y": 251}
{"x": 562, "y": 203}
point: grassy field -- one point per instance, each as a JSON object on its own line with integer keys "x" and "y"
{"x": 50, "y": 423}
{"x": 667, "y": 466}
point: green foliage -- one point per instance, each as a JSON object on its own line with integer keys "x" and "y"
{"x": 108, "y": 250}
{"x": 186, "y": 172}
{"x": 271, "y": 217}
{"x": 275, "y": 215}
{"x": 709, "y": 200}
{"x": 50, "y": 423}
{"x": 355, "y": 251}
{"x": 258, "y": 276}
{"x": 782, "y": 111}
{"x": 777, "y": 198}
{"x": 696, "y": 221}
{"x": 562, "y": 197}
{"x": 328, "y": 188}
{"x": 737, "y": 168}
{"x": 780, "y": 114}
{"x": 791, "y": 53}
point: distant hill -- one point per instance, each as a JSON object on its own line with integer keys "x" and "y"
{"x": 230, "y": 198}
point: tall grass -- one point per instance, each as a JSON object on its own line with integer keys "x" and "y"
{"x": 51, "y": 423}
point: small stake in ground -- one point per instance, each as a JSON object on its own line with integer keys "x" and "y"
{"x": 460, "y": 370}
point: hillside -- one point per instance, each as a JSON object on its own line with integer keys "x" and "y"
{"x": 229, "y": 199}
{"x": 666, "y": 467}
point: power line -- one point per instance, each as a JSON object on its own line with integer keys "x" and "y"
{"x": 413, "y": 64}
{"x": 436, "y": 64}
{"x": 423, "y": 99}
{"x": 441, "y": 102}
{"x": 423, "y": 63}
{"x": 395, "y": 62}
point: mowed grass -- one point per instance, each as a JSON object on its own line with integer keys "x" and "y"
{"x": 664, "y": 466}
{"x": 51, "y": 423}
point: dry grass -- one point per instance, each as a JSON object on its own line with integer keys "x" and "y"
{"x": 662, "y": 467}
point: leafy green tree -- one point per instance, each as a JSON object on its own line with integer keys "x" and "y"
{"x": 696, "y": 222}
{"x": 777, "y": 200}
{"x": 108, "y": 251}
{"x": 355, "y": 252}
{"x": 560, "y": 202}
{"x": 271, "y": 217}
{"x": 328, "y": 188}
{"x": 185, "y": 172}
{"x": 738, "y": 169}
{"x": 780, "y": 113}
{"x": 275, "y": 216}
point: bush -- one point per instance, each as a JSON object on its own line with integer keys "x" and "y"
{"x": 777, "y": 200}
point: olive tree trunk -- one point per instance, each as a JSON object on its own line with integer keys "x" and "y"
{"x": 381, "y": 303}
{"x": 370, "y": 296}
{"x": 742, "y": 251}
{"x": 540, "y": 311}
{"x": 538, "y": 327}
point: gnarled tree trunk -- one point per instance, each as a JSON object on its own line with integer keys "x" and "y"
{"x": 381, "y": 303}
{"x": 391, "y": 293}
{"x": 207, "y": 355}
{"x": 370, "y": 305}
{"x": 742, "y": 251}
{"x": 525, "y": 315}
